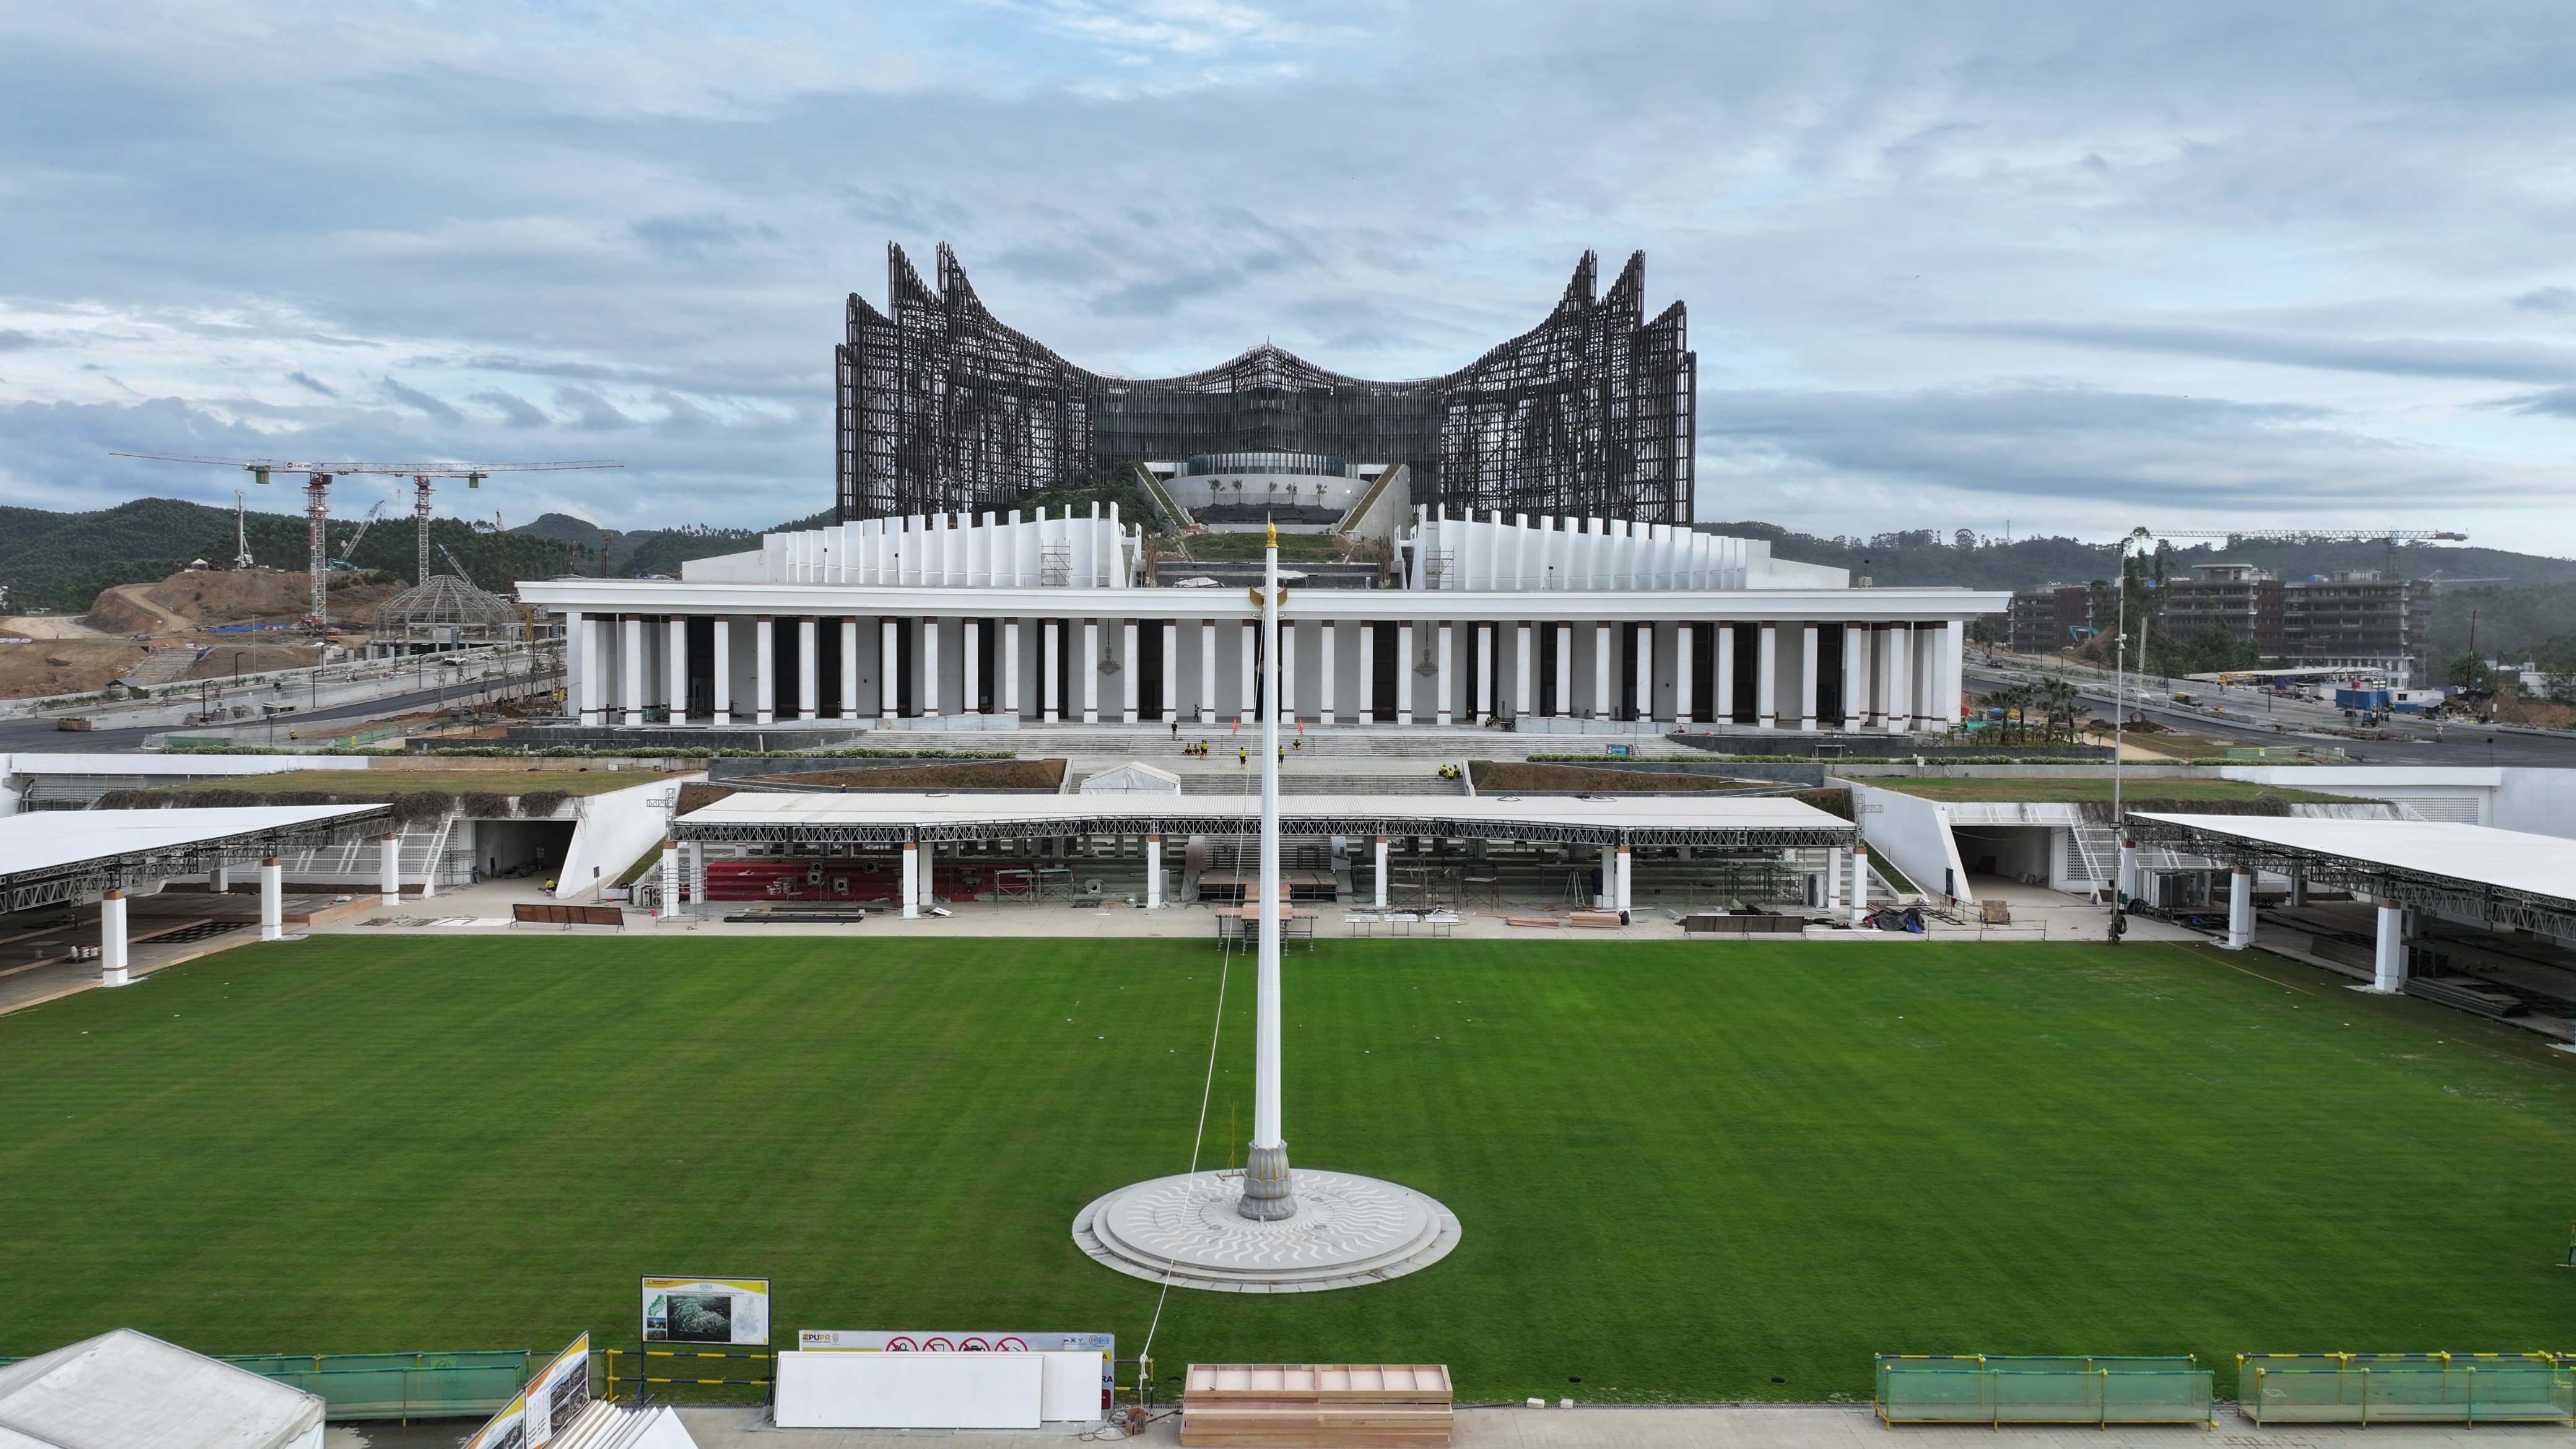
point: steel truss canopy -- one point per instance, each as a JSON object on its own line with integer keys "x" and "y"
{"x": 2507, "y": 877}
{"x": 48, "y": 857}
{"x": 942, "y": 408}
{"x": 1761, "y": 823}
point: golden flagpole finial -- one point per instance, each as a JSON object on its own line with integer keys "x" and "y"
{"x": 1274, "y": 535}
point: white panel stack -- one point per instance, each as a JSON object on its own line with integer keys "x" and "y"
{"x": 833, "y": 1390}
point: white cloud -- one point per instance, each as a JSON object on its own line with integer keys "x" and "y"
{"x": 2265, "y": 259}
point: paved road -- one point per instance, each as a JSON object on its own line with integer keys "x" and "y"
{"x": 2461, "y": 744}
{"x": 41, "y": 735}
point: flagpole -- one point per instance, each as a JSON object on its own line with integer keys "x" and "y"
{"x": 1268, "y": 1193}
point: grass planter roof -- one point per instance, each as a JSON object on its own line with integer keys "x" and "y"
{"x": 2026, "y": 790}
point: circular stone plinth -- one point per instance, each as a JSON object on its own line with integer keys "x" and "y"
{"x": 1349, "y": 1230}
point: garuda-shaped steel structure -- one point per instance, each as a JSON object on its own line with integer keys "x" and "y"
{"x": 943, "y": 408}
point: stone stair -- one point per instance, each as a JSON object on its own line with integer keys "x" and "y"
{"x": 162, "y": 666}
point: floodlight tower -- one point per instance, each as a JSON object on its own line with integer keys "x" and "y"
{"x": 1268, "y": 1192}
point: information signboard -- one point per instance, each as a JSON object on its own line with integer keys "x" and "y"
{"x": 706, "y": 1310}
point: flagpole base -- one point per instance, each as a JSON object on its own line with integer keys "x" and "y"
{"x": 1349, "y": 1231}
{"x": 1269, "y": 1193}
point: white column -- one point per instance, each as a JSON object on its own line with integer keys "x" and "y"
{"x": 581, "y": 642}
{"x": 1644, "y": 704}
{"x": 2125, "y": 889}
{"x": 1011, "y": 667}
{"x": 1050, "y": 658}
{"x": 672, "y": 904}
{"x": 1091, "y": 671}
{"x": 1522, "y": 682}
{"x": 1485, "y": 690}
{"x": 1171, "y": 670}
{"x": 926, "y": 692}
{"x": 1896, "y": 649}
{"x": 911, "y": 881}
{"x": 389, "y": 868}
{"x": 272, "y": 900}
{"x": 1324, "y": 650}
{"x": 889, "y": 667}
{"x": 630, "y": 667}
{"x": 1404, "y": 673}
{"x": 1564, "y": 671}
{"x": 675, "y": 657}
{"x": 1381, "y": 872}
{"x": 1127, "y": 672}
{"x": 220, "y": 880}
{"x": 849, "y": 667}
{"x": 1154, "y": 866}
{"x": 1807, "y": 677}
{"x": 1287, "y": 670}
{"x": 2388, "y": 958}
{"x": 1245, "y": 701}
{"x": 1368, "y": 672}
{"x": 928, "y": 871}
{"x": 1207, "y": 671}
{"x": 1766, "y": 678}
{"x": 1448, "y": 693}
{"x": 1267, "y": 1188}
{"x": 1682, "y": 681}
{"x": 111, "y": 939}
{"x": 2240, "y": 909}
{"x": 1833, "y": 881}
{"x": 970, "y": 666}
{"x": 1947, "y": 648}
{"x": 1605, "y": 704}
{"x": 1860, "y": 884}
{"x": 764, "y": 671}
{"x": 721, "y": 661}
{"x": 1855, "y": 675}
{"x": 1722, "y": 707}
{"x": 1619, "y": 886}
{"x": 809, "y": 668}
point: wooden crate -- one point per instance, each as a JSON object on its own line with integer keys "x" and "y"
{"x": 1325, "y": 1406}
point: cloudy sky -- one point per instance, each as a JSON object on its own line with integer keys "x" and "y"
{"x": 2045, "y": 267}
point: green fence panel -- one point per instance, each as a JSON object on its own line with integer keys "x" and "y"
{"x": 399, "y": 1385}
{"x": 2043, "y": 1390}
{"x": 2467, "y": 1390}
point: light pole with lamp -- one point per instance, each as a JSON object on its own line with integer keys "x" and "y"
{"x": 2120, "y": 703}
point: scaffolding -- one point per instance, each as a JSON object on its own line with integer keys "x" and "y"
{"x": 942, "y": 408}
{"x": 443, "y": 610}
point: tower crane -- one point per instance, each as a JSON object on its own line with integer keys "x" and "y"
{"x": 317, "y": 499}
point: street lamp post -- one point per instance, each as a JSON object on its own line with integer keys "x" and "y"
{"x": 2120, "y": 700}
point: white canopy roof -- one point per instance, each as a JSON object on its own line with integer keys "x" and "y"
{"x": 51, "y": 839}
{"x": 2478, "y": 855}
{"x": 129, "y": 1390}
{"x": 1132, "y": 778}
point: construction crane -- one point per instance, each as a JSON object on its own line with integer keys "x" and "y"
{"x": 317, "y": 500}
{"x": 454, "y": 564}
{"x": 2389, "y": 536}
{"x": 349, "y": 550}
{"x": 241, "y": 530}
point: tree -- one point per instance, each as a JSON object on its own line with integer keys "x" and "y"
{"x": 2469, "y": 672}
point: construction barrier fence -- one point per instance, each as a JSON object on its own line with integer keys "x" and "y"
{"x": 691, "y": 1368}
{"x": 398, "y": 1385}
{"x": 2406, "y": 1388}
{"x": 2030, "y": 1389}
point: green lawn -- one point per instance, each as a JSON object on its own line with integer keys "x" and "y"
{"x": 1686, "y": 1171}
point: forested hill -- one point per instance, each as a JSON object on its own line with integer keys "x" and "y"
{"x": 1925, "y": 557}
{"x": 655, "y": 550}
{"x": 60, "y": 561}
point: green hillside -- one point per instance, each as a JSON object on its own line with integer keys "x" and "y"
{"x": 60, "y": 561}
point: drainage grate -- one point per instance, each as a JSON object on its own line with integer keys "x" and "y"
{"x": 203, "y": 930}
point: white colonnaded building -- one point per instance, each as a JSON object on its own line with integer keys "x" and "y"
{"x": 1011, "y": 619}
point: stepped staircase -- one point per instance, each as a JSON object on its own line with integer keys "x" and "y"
{"x": 163, "y": 666}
